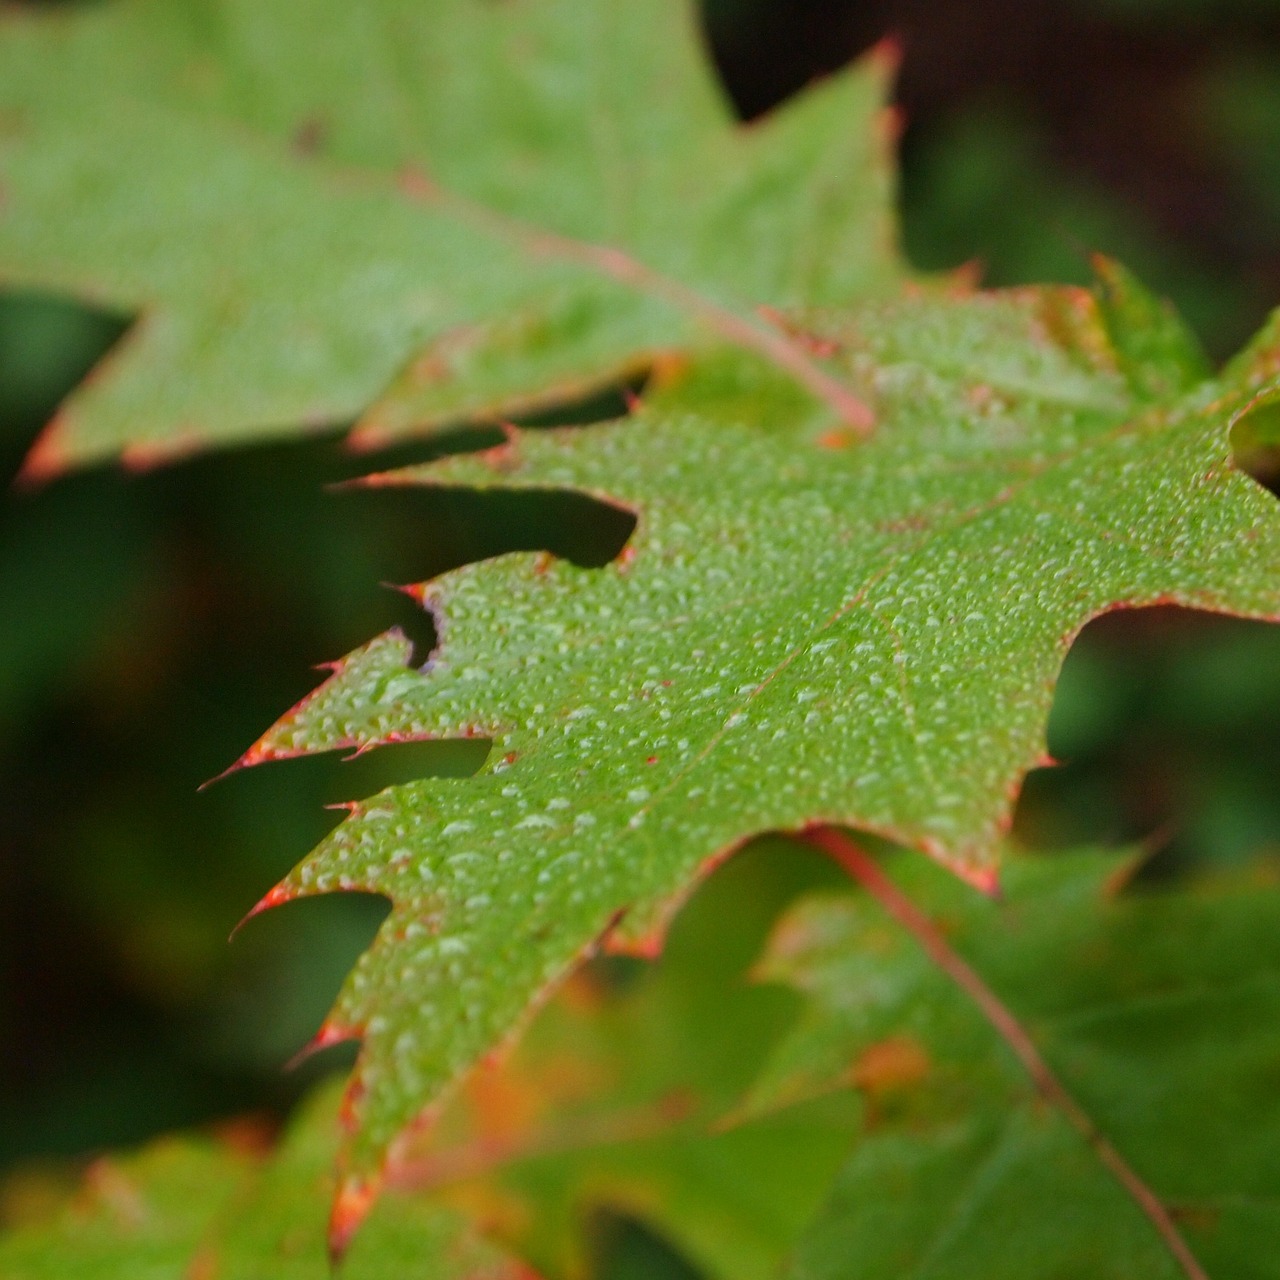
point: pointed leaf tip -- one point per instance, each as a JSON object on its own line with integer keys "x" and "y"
{"x": 331, "y": 1032}
{"x": 418, "y": 592}
{"x": 352, "y": 1202}
{"x": 887, "y": 54}
{"x": 257, "y": 754}
{"x": 47, "y": 458}
{"x": 986, "y": 879}
{"x": 272, "y": 898}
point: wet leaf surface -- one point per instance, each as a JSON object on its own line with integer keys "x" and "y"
{"x": 796, "y": 633}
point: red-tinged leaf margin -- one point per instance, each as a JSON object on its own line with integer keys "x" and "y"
{"x": 616, "y": 936}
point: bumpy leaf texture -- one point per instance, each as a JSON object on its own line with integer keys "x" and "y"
{"x": 410, "y": 213}
{"x": 617, "y": 1099}
{"x": 796, "y": 634}
{"x": 1157, "y": 1009}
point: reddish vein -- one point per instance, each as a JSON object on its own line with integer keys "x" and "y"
{"x": 772, "y": 343}
{"x": 867, "y": 872}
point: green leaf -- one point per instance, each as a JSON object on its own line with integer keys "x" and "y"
{"x": 410, "y": 213}
{"x": 1157, "y": 1009}
{"x": 615, "y": 1100}
{"x": 797, "y": 633}
{"x": 612, "y": 1101}
{"x": 1157, "y": 352}
{"x": 415, "y": 214}
{"x": 200, "y": 1210}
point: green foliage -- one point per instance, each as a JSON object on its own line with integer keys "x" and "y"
{"x": 875, "y": 629}
{"x": 623, "y": 1094}
{"x": 871, "y": 513}
{"x": 694, "y": 1096}
{"x": 401, "y": 210}
{"x": 1158, "y": 1011}
{"x": 201, "y": 1208}
{"x": 612, "y": 1100}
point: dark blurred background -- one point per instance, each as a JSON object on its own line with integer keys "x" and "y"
{"x": 152, "y": 625}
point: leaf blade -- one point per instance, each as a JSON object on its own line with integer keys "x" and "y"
{"x": 876, "y": 631}
{"x": 443, "y": 181}
{"x": 1161, "y": 1042}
